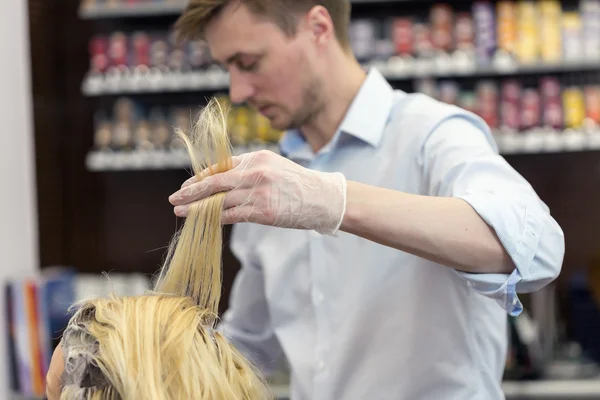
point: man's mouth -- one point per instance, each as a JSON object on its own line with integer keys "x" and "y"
{"x": 264, "y": 109}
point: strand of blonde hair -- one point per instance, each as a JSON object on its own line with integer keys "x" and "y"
{"x": 163, "y": 345}
{"x": 193, "y": 264}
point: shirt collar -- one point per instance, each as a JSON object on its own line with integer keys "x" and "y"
{"x": 365, "y": 119}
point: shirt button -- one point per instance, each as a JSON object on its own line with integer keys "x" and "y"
{"x": 514, "y": 302}
{"x": 319, "y": 298}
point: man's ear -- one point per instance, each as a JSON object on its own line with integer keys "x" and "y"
{"x": 320, "y": 25}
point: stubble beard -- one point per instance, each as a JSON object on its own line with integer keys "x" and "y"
{"x": 312, "y": 105}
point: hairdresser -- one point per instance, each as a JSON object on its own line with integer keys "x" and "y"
{"x": 383, "y": 250}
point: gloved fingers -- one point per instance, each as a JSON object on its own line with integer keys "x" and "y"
{"x": 216, "y": 169}
{"x": 210, "y": 185}
{"x": 251, "y": 206}
{"x": 237, "y": 214}
{"x": 182, "y": 211}
{"x": 237, "y": 197}
{"x": 235, "y": 161}
{"x": 192, "y": 192}
{"x": 188, "y": 182}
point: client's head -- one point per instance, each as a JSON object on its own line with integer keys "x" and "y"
{"x": 163, "y": 346}
{"x": 152, "y": 347}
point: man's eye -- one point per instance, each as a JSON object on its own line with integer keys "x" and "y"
{"x": 248, "y": 66}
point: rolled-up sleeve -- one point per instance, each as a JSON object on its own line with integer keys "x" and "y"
{"x": 460, "y": 159}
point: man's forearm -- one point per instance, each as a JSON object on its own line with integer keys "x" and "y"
{"x": 441, "y": 229}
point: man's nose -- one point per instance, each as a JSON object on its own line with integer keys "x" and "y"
{"x": 240, "y": 90}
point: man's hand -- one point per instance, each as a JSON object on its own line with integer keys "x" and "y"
{"x": 265, "y": 188}
{"x": 53, "y": 382}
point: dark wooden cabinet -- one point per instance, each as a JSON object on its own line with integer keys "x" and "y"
{"x": 122, "y": 221}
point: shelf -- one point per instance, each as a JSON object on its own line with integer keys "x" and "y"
{"x": 165, "y": 8}
{"x": 148, "y": 9}
{"x": 543, "y": 390}
{"x": 457, "y": 66}
{"x": 138, "y": 81}
{"x": 18, "y": 396}
{"x": 154, "y": 81}
{"x": 553, "y": 389}
{"x": 539, "y": 142}
{"x": 153, "y": 160}
{"x": 532, "y": 390}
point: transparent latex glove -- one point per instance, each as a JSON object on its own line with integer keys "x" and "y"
{"x": 268, "y": 189}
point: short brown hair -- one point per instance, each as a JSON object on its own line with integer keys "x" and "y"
{"x": 198, "y": 13}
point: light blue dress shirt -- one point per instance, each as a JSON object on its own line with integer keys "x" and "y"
{"x": 357, "y": 320}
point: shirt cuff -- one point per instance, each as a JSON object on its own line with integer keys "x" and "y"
{"x": 519, "y": 224}
{"x": 500, "y": 287}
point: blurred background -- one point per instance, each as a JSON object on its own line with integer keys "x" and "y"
{"x": 90, "y": 92}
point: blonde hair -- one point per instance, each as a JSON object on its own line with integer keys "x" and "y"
{"x": 163, "y": 345}
{"x": 284, "y": 13}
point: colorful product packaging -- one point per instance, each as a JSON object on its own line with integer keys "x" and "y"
{"x": 574, "y": 107}
{"x": 487, "y": 101}
{"x": 507, "y": 29}
{"x": 141, "y": 49}
{"x": 362, "y": 38}
{"x": 528, "y": 45}
{"x": 99, "y": 57}
{"x": 442, "y": 19}
{"x": 464, "y": 31}
{"x": 572, "y": 35}
{"x": 552, "y": 112}
{"x": 403, "y": 36}
{"x": 117, "y": 49}
{"x": 592, "y": 103}
{"x": 510, "y": 117}
{"x": 550, "y": 13}
{"x": 485, "y": 31}
{"x": 590, "y": 19}
{"x": 448, "y": 92}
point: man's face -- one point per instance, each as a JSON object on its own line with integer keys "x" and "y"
{"x": 269, "y": 70}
